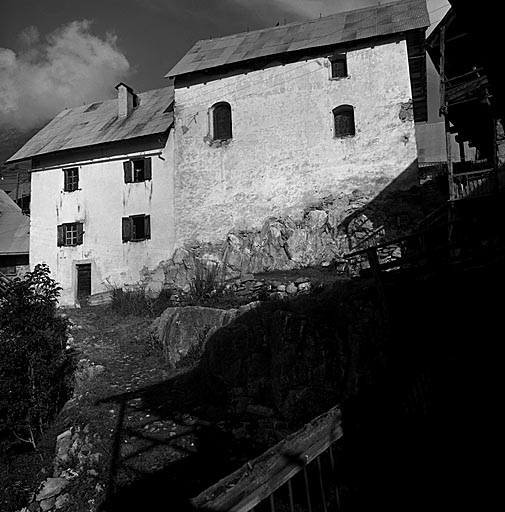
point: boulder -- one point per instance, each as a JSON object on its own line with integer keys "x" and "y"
{"x": 52, "y": 487}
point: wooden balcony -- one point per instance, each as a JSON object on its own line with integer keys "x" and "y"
{"x": 472, "y": 184}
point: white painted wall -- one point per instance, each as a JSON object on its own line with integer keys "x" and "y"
{"x": 283, "y": 155}
{"x": 101, "y": 201}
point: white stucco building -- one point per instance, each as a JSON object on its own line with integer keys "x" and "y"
{"x": 101, "y": 202}
{"x": 258, "y": 125}
{"x": 270, "y": 121}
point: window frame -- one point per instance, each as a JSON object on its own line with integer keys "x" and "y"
{"x": 71, "y": 181}
{"x": 76, "y": 230}
{"x": 346, "y": 111}
{"x": 338, "y": 58}
{"x": 131, "y": 175}
{"x": 215, "y": 128}
{"x": 128, "y": 228}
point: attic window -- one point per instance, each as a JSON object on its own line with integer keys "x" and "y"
{"x": 338, "y": 66}
{"x": 71, "y": 179}
{"x": 137, "y": 170}
{"x": 221, "y": 121}
{"x": 92, "y": 107}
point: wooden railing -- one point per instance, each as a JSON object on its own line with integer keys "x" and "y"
{"x": 473, "y": 184}
{"x": 298, "y": 473}
{"x": 4, "y": 281}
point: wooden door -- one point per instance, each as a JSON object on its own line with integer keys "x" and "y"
{"x": 83, "y": 282}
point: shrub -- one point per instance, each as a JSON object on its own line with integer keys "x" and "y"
{"x": 137, "y": 302}
{"x": 35, "y": 368}
{"x": 208, "y": 281}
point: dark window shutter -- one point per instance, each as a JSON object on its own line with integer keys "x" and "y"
{"x": 65, "y": 181}
{"x": 222, "y": 121}
{"x": 128, "y": 171}
{"x": 147, "y": 226}
{"x": 127, "y": 229}
{"x": 76, "y": 178}
{"x": 61, "y": 235}
{"x": 147, "y": 169}
{"x": 80, "y": 233}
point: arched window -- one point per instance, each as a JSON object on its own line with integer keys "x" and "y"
{"x": 343, "y": 121}
{"x": 221, "y": 121}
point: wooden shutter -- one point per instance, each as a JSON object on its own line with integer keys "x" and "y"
{"x": 147, "y": 226}
{"x": 76, "y": 178}
{"x": 61, "y": 235}
{"x": 147, "y": 169}
{"x": 65, "y": 180}
{"x": 127, "y": 229}
{"x": 128, "y": 171}
{"x": 80, "y": 232}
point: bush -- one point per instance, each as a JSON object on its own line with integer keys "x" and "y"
{"x": 35, "y": 368}
{"x": 208, "y": 281}
{"x": 137, "y": 302}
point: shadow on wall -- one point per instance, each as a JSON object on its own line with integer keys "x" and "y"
{"x": 327, "y": 230}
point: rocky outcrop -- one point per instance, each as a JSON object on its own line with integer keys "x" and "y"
{"x": 182, "y": 330}
{"x": 320, "y": 237}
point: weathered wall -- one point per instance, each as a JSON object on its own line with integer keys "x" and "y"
{"x": 101, "y": 201}
{"x": 283, "y": 155}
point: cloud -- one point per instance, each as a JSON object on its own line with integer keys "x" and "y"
{"x": 68, "y": 68}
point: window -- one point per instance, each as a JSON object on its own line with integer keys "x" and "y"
{"x": 70, "y": 234}
{"x": 136, "y": 228}
{"x": 137, "y": 170}
{"x": 221, "y": 121}
{"x": 71, "y": 179}
{"x": 343, "y": 121}
{"x": 338, "y": 66}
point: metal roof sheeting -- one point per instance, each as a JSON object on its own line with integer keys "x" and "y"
{"x": 14, "y": 227}
{"x": 331, "y": 30}
{"x": 98, "y": 123}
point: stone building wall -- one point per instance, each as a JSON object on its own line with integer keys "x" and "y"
{"x": 283, "y": 156}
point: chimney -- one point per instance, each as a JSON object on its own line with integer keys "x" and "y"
{"x": 127, "y": 100}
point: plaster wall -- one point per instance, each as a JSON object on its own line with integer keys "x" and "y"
{"x": 100, "y": 203}
{"x": 283, "y": 155}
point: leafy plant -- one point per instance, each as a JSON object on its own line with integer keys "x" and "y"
{"x": 137, "y": 302}
{"x": 208, "y": 281}
{"x": 35, "y": 368}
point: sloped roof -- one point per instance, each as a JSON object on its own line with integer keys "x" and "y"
{"x": 14, "y": 227}
{"x": 379, "y": 20}
{"x": 98, "y": 123}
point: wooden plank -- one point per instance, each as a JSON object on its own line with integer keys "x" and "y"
{"x": 256, "y": 480}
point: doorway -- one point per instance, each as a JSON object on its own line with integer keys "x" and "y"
{"x": 83, "y": 282}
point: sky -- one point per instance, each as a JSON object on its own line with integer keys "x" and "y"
{"x": 56, "y": 54}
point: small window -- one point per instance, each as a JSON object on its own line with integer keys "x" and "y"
{"x": 70, "y": 234}
{"x": 221, "y": 121}
{"x": 136, "y": 228}
{"x": 343, "y": 121}
{"x": 137, "y": 170}
{"x": 338, "y": 66}
{"x": 71, "y": 179}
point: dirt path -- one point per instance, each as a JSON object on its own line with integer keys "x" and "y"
{"x": 155, "y": 437}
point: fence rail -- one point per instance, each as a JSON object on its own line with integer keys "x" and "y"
{"x": 474, "y": 184}
{"x": 268, "y": 481}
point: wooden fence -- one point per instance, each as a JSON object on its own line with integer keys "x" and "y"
{"x": 298, "y": 473}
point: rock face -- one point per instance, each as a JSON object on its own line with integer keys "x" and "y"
{"x": 181, "y": 329}
{"x": 321, "y": 236}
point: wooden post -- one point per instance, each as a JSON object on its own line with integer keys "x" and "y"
{"x": 445, "y": 112}
{"x": 373, "y": 259}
